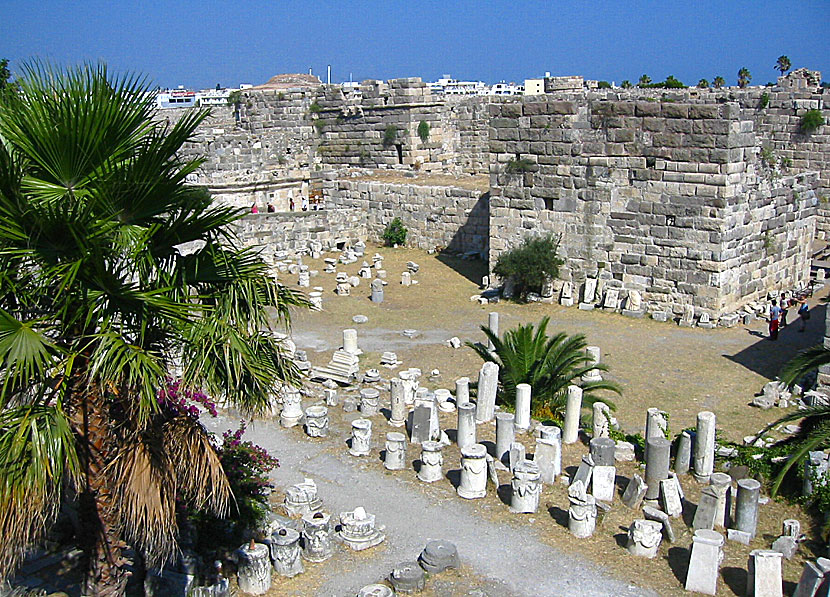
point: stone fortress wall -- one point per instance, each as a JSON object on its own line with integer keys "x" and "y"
{"x": 665, "y": 192}
{"x": 665, "y": 195}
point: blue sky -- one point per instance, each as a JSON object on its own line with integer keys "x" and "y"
{"x": 199, "y": 44}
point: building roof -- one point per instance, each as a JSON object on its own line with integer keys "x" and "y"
{"x": 290, "y": 81}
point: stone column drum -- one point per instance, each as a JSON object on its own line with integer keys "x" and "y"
{"x": 505, "y": 434}
{"x": 473, "y": 472}
{"x": 493, "y": 324}
{"x": 292, "y": 407}
{"x": 683, "y": 458}
{"x": 523, "y": 399}
{"x": 254, "y": 569}
{"x": 317, "y": 421}
{"x": 317, "y": 545}
{"x": 395, "y": 459}
{"x": 350, "y": 341}
{"x": 526, "y": 486}
{"x": 746, "y": 508}
{"x": 721, "y": 485}
{"x": 466, "y": 434}
{"x": 285, "y": 552}
{"x": 656, "y": 426}
{"x": 573, "y": 408}
{"x": 397, "y": 406}
{"x": 361, "y": 437}
{"x": 593, "y": 353}
{"x": 431, "y": 462}
{"x": 369, "y": 398}
{"x": 644, "y": 537}
{"x": 657, "y": 465}
{"x": 704, "y": 446}
{"x": 601, "y": 419}
{"x": 548, "y": 456}
{"x": 488, "y": 380}
{"x": 462, "y": 391}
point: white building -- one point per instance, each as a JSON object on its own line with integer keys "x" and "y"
{"x": 176, "y": 98}
{"x": 213, "y": 97}
{"x": 502, "y": 88}
{"x": 449, "y": 86}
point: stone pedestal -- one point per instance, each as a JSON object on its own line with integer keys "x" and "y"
{"x": 644, "y": 538}
{"x": 376, "y": 591}
{"x": 407, "y": 577}
{"x": 302, "y": 499}
{"x": 763, "y": 577}
{"x": 285, "y": 552}
{"x": 526, "y": 487}
{"x": 493, "y": 324}
{"x": 431, "y": 462}
{"x": 361, "y": 437}
{"x": 292, "y": 407}
{"x": 573, "y": 408}
{"x": 683, "y": 458}
{"x": 316, "y": 299}
{"x": 704, "y": 456}
{"x": 357, "y": 530}
{"x": 505, "y": 434}
{"x": 462, "y": 391}
{"x": 601, "y": 419}
{"x": 397, "y": 397}
{"x": 488, "y": 380}
{"x": 473, "y": 472}
{"x": 330, "y": 395}
{"x": 657, "y": 465}
{"x": 424, "y": 419}
{"x": 369, "y": 402}
{"x": 602, "y": 483}
{"x": 523, "y": 398}
{"x": 746, "y": 507}
{"x": 704, "y": 562}
{"x": 437, "y": 556}
{"x": 254, "y": 569}
{"x": 317, "y": 546}
{"x": 548, "y": 456}
{"x": 466, "y": 435}
{"x": 395, "y": 458}
{"x": 516, "y": 454}
{"x": 406, "y": 279}
{"x": 317, "y": 421}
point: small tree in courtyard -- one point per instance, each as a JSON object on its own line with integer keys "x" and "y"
{"x": 395, "y": 233}
{"x": 530, "y": 264}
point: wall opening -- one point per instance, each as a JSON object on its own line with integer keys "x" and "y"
{"x": 399, "y": 147}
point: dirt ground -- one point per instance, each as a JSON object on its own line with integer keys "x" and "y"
{"x": 679, "y": 370}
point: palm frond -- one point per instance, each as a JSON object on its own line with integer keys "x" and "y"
{"x": 26, "y": 354}
{"x": 806, "y": 361}
{"x": 819, "y": 437}
{"x": 37, "y": 455}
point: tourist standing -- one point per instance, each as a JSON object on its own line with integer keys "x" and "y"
{"x": 254, "y": 209}
{"x": 774, "y": 314}
{"x": 803, "y": 313}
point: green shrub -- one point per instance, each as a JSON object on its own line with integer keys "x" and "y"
{"x": 519, "y": 165}
{"x": 423, "y": 131}
{"x": 235, "y": 98}
{"x": 314, "y": 108}
{"x": 395, "y": 233}
{"x": 604, "y": 85}
{"x": 811, "y": 121}
{"x": 626, "y": 84}
{"x": 703, "y": 83}
{"x": 390, "y": 135}
{"x": 320, "y": 124}
{"x": 530, "y": 264}
{"x": 764, "y": 101}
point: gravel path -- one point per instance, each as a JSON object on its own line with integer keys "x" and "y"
{"x": 513, "y": 557}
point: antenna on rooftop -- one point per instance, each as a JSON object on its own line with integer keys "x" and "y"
{"x": 328, "y": 75}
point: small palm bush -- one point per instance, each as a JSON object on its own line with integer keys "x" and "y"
{"x": 811, "y": 121}
{"x": 550, "y": 364}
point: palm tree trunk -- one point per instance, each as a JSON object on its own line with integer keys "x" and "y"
{"x": 99, "y": 516}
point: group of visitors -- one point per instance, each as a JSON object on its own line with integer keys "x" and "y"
{"x": 778, "y": 314}
{"x": 272, "y": 209}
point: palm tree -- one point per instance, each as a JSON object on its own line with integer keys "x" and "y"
{"x": 548, "y": 363}
{"x": 718, "y": 82}
{"x": 783, "y": 64}
{"x": 644, "y": 80}
{"x": 626, "y": 84}
{"x": 112, "y": 272}
{"x": 814, "y": 430}
{"x": 703, "y": 83}
{"x": 744, "y": 77}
